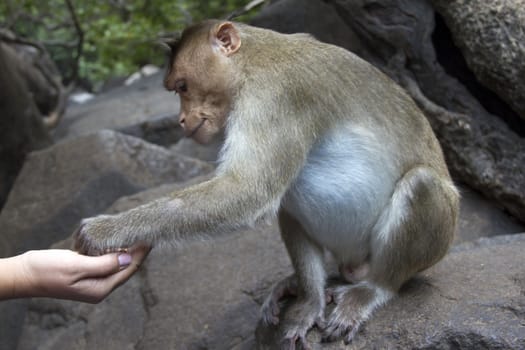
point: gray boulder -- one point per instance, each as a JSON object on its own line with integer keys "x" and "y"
{"x": 298, "y": 16}
{"x": 198, "y": 296}
{"x": 491, "y": 36}
{"x": 119, "y": 108}
{"x": 473, "y": 299}
{"x": 207, "y": 295}
{"x": 479, "y": 218}
{"x": 190, "y": 148}
{"x": 163, "y": 130}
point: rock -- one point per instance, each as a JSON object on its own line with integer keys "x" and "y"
{"x": 21, "y": 126}
{"x": 163, "y": 130}
{"x": 69, "y": 181}
{"x": 490, "y": 34}
{"x": 145, "y": 71}
{"x": 120, "y": 107}
{"x": 81, "y": 178}
{"x": 202, "y": 295}
{"x": 473, "y": 299}
{"x": 480, "y": 217}
{"x": 296, "y": 16}
{"x": 115, "y": 323}
{"x": 190, "y": 148}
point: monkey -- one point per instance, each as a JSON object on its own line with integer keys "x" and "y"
{"x": 318, "y": 138}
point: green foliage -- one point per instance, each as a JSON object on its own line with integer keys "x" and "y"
{"x": 119, "y": 35}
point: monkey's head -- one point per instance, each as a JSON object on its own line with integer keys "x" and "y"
{"x": 201, "y": 72}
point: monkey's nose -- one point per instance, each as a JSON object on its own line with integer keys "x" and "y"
{"x": 182, "y": 120}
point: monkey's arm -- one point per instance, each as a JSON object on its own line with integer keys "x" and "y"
{"x": 239, "y": 195}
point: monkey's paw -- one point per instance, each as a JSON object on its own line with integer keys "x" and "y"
{"x": 300, "y": 317}
{"x": 354, "y": 304}
{"x": 98, "y": 235}
{"x": 271, "y": 308}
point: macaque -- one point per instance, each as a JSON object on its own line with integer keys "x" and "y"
{"x": 320, "y": 138}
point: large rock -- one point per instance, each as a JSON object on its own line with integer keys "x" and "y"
{"x": 119, "y": 108}
{"x": 198, "y": 296}
{"x": 491, "y": 36}
{"x": 163, "y": 130}
{"x": 188, "y": 147}
{"x": 297, "y": 16}
{"x": 479, "y": 218}
{"x": 473, "y": 299}
{"x": 207, "y": 295}
{"x": 21, "y": 127}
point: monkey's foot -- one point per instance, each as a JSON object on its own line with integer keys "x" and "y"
{"x": 271, "y": 308}
{"x": 354, "y": 305}
{"x": 300, "y": 317}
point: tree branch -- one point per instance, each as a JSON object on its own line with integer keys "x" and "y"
{"x": 80, "y": 43}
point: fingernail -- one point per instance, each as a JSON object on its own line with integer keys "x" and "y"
{"x": 124, "y": 259}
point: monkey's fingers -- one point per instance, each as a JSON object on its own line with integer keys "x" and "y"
{"x": 329, "y": 295}
{"x": 295, "y": 342}
{"x": 115, "y": 250}
{"x": 83, "y": 244}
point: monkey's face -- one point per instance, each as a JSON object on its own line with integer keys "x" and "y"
{"x": 205, "y": 103}
{"x": 201, "y": 72}
{"x": 204, "y": 109}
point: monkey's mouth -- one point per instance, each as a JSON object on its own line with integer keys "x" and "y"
{"x": 191, "y": 133}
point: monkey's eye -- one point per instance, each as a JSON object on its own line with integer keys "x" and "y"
{"x": 181, "y": 86}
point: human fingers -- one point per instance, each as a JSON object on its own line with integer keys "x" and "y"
{"x": 96, "y": 289}
{"x": 104, "y": 265}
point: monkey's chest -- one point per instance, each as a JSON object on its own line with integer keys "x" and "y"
{"x": 342, "y": 189}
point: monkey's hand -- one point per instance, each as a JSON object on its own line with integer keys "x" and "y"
{"x": 100, "y": 234}
{"x": 271, "y": 309}
{"x": 299, "y": 318}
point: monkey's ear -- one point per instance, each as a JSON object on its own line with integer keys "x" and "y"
{"x": 169, "y": 44}
{"x": 226, "y": 38}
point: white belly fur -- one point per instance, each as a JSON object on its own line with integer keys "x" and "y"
{"x": 340, "y": 193}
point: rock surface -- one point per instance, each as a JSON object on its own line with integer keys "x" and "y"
{"x": 480, "y": 218}
{"x": 21, "y": 126}
{"x": 297, "y": 16}
{"x": 120, "y": 107}
{"x": 204, "y": 295}
{"x": 489, "y": 32}
{"x": 207, "y": 295}
{"x": 473, "y": 299}
{"x": 200, "y": 296}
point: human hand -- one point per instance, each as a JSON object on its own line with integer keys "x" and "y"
{"x": 66, "y": 274}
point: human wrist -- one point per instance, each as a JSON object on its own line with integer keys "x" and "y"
{"x": 9, "y": 277}
{"x": 24, "y": 279}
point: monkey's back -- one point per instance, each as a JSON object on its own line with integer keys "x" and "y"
{"x": 327, "y": 84}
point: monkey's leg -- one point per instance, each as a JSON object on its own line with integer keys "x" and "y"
{"x": 412, "y": 233}
{"x": 307, "y": 260}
